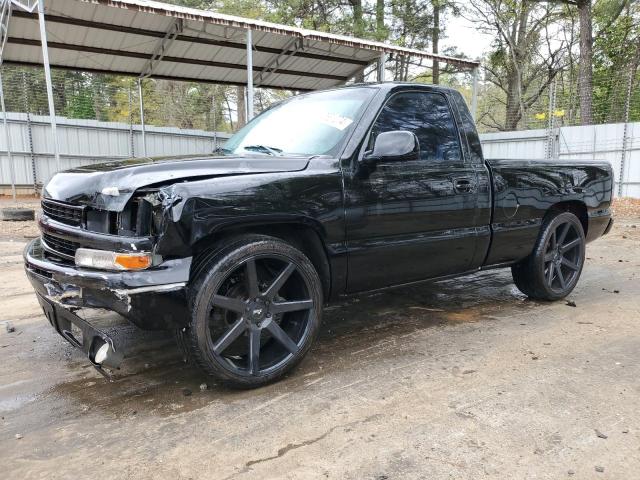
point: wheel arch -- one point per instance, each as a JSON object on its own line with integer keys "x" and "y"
{"x": 577, "y": 207}
{"x": 302, "y": 235}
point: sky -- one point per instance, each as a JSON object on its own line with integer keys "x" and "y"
{"x": 462, "y": 34}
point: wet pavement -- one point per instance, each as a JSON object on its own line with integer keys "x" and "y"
{"x": 462, "y": 378}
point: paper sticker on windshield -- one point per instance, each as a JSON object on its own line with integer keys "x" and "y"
{"x": 336, "y": 121}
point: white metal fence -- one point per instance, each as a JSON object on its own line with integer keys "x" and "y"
{"x": 88, "y": 141}
{"x": 616, "y": 143}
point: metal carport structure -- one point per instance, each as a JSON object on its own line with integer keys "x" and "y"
{"x": 148, "y": 39}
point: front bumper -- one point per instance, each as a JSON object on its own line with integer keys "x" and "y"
{"x": 151, "y": 299}
{"x": 84, "y": 337}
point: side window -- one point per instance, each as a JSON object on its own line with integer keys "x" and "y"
{"x": 428, "y": 116}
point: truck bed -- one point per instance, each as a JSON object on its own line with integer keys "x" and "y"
{"x": 524, "y": 191}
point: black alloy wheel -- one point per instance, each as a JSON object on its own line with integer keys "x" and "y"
{"x": 256, "y": 312}
{"x": 562, "y": 258}
{"x": 553, "y": 269}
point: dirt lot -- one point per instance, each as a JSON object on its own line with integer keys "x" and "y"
{"x": 457, "y": 379}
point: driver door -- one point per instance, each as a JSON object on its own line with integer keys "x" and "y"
{"x": 408, "y": 220}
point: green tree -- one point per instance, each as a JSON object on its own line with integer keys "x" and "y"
{"x": 522, "y": 62}
{"x": 616, "y": 58}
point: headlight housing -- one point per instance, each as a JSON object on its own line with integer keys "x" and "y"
{"x": 106, "y": 260}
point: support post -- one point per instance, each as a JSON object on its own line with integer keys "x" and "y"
{"x": 549, "y": 149}
{"x": 140, "y": 97}
{"x": 382, "y": 63}
{"x": 625, "y": 134}
{"x": 47, "y": 76}
{"x": 27, "y": 109}
{"x": 132, "y": 148}
{"x": 7, "y": 137}
{"x": 215, "y": 120}
{"x": 474, "y": 93}
{"x": 249, "y": 75}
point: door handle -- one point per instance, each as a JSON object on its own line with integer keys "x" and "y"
{"x": 463, "y": 185}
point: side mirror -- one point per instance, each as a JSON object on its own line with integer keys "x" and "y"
{"x": 395, "y": 145}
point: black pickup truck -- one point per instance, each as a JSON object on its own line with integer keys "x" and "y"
{"x": 325, "y": 194}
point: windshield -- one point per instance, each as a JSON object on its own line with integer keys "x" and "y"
{"x": 313, "y": 124}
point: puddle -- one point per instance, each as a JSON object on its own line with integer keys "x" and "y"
{"x": 466, "y": 299}
{"x": 15, "y": 402}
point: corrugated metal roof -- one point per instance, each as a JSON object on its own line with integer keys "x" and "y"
{"x": 120, "y": 36}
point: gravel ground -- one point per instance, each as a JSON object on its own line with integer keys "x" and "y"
{"x": 627, "y": 207}
{"x": 460, "y": 379}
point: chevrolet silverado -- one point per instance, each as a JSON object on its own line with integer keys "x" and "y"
{"x": 323, "y": 195}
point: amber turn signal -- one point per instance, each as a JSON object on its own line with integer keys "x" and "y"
{"x": 133, "y": 261}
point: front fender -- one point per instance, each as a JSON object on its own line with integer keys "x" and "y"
{"x": 194, "y": 211}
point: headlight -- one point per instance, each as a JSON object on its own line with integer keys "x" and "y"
{"x": 105, "y": 260}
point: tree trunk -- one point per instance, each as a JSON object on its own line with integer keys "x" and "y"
{"x": 358, "y": 22}
{"x": 402, "y": 69}
{"x": 585, "y": 76}
{"x": 633, "y": 68}
{"x": 241, "y": 107}
{"x": 229, "y": 110}
{"x": 435, "y": 38}
{"x": 512, "y": 111}
{"x": 358, "y": 29}
{"x": 515, "y": 109}
{"x": 381, "y": 33}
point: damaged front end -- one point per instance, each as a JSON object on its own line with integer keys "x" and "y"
{"x": 153, "y": 299}
{"x": 89, "y": 257}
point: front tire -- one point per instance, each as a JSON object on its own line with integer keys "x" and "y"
{"x": 256, "y": 309}
{"x": 552, "y": 271}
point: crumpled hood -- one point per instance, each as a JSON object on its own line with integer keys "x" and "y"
{"x": 84, "y": 185}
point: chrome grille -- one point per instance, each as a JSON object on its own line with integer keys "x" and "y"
{"x": 60, "y": 246}
{"x": 39, "y": 271}
{"x": 63, "y": 212}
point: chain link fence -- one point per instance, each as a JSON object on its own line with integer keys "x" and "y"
{"x": 200, "y": 106}
{"x": 547, "y": 121}
{"x": 113, "y": 98}
{"x": 556, "y": 102}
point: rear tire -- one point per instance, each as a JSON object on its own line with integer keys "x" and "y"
{"x": 256, "y": 308}
{"x": 553, "y": 269}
